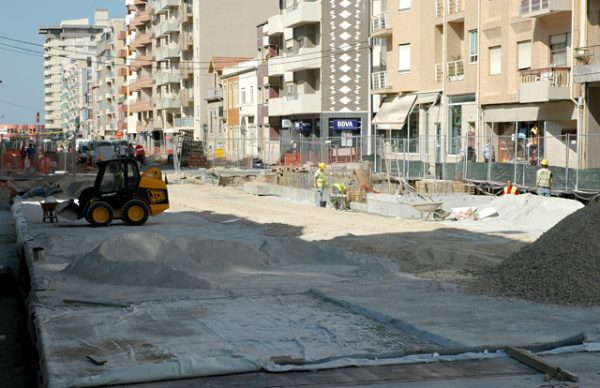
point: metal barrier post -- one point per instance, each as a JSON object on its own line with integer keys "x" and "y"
{"x": 567, "y": 163}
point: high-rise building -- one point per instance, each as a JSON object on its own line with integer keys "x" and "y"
{"x": 108, "y": 85}
{"x": 69, "y": 52}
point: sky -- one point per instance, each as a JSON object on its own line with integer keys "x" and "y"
{"x": 22, "y": 75}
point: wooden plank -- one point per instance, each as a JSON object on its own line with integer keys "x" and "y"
{"x": 536, "y": 362}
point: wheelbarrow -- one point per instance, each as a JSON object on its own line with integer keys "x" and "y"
{"x": 428, "y": 209}
{"x": 49, "y": 211}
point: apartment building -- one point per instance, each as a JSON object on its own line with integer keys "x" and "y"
{"x": 318, "y": 57}
{"x": 452, "y": 78}
{"x": 69, "y": 51}
{"x": 108, "y": 86}
{"x": 171, "y": 43}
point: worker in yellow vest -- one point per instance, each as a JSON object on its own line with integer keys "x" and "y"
{"x": 319, "y": 182}
{"x": 510, "y": 188}
{"x": 544, "y": 179}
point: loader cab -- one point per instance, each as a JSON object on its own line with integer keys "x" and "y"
{"x": 117, "y": 180}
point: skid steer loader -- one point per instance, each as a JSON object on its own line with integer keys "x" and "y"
{"x": 120, "y": 191}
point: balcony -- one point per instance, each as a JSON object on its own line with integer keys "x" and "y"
{"x": 547, "y": 84}
{"x": 187, "y": 70}
{"x": 541, "y": 8}
{"x": 122, "y": 35}
{"x": 294, "y": 105}
{"x": 123, "y": 108}
{"x": 275, "y": 25}
{"x": 167, "y": 77}
{"x": 455, "y": 7}
{"x": 302, "y": 12}
{"x": 122, "y": 54}
{"x": 187, "y": 97}
{"x": 141, "y": 18}
{"x": 379, "y": 81}
{"x": 380, "y": 26}
{"x": 141, "y": 105}
{"x": 172, "y": 51}
{"x": 214, "y": 94}
{"x": 185, "y": 40}
{"x": 123, "y": 89}
{"x": 123, "y": 72}
{"x": 306, "y": 58}
{"x": 167, "y": 26}
{"x": 168, "y": 101}
{"x": 456, "y": 71}
{"x": 161, "y": 6}
{"x": 187, "y": 14}
{"x": 184, "y": 122}
{"x": 587, "y": 64}
{"x": 141, "y": 83}
{"x": 143, "y": 60}
{"x": 142, "y": 40}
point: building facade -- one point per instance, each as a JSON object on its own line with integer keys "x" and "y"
{"x": 108, "y": 86}
{"x": 318, "y": 66}
{"x": 69, "y": 51}
{"x": 454, "y": 79}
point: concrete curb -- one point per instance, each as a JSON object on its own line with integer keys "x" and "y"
{"x": 25, "y": 252}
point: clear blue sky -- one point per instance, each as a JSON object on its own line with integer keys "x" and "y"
{"x": 22, "y": 75}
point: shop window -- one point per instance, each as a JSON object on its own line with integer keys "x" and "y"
{"x": 455, "y": 139}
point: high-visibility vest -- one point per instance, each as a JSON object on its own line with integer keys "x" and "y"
{"x": 510, "y": 190}
{"x": 321, "y": 180}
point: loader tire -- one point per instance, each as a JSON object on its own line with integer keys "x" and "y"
{"x": 135, "y": 212}
{"x": 99, "y": 213}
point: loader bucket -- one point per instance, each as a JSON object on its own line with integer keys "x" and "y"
{"x": 68, "y": 210}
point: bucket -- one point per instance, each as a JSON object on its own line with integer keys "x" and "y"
{"x": 323, "y": 203}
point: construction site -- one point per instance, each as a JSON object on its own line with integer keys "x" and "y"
{"x": 242, "y": 280}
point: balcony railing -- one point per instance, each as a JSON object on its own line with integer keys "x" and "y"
{"x": 533, "y": 8}
{"x": 297, "y": 3}
{"x": 379, "y": 22}
{"x": 215, "y": 94}
{"x": 439, "y": 8}
{"x": 455, "y": 6}
{"x": 184, "y": 122}
{"x": 587, "y": 64}
{"x": 379, "y": 80}
{"x": 456, "y": 71}
{"x": 557, "y": 77}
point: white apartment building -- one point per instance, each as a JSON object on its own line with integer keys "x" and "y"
{"x": 70, "y": 48}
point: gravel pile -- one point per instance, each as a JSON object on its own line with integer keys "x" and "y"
{"x": 561, "y": 267}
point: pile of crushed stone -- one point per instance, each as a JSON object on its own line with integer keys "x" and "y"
{"x": 561, "y": 267}
{"x": 151, "y": 260}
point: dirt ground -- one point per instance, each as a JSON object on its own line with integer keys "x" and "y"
{"x": 426, "y": 249}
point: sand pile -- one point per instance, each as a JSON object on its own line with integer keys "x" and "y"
{"x": 150, "y": 260}
{"x": 561, "y": 267}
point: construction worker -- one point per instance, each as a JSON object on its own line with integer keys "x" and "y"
{"x": 319, "y": 182}
{"x": 544, "y": 179}
{"x": 339, "y": 199}
{"x": 510, "y": 189}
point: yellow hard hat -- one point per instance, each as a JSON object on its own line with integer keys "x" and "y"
{"x": 544, "y": 162}
{"x": 321, "y": 165}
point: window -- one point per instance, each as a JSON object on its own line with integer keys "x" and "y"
{"x": 473, "y": 46}
{"x": 495, "y": 60}
{"x": 244, "y": 95}
{"x": 251, "y": 99}
{"x": 558, "y": 49}
{"x": 404, "y": 58}
{"x": 403, "y": 5}
{"x": 524, "y": 55}
{"x": 455, "y": 139}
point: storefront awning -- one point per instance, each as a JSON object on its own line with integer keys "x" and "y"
{"x": 427, "y": 98}
{"x": 393, "y": 111}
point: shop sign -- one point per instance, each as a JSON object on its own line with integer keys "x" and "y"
{"x": 219, "y": 153}
{"x": 346, "y": 124}
{"x": 119, "y": 134}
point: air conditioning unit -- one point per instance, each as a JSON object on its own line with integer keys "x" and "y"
{"x": 285, "y": 123}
